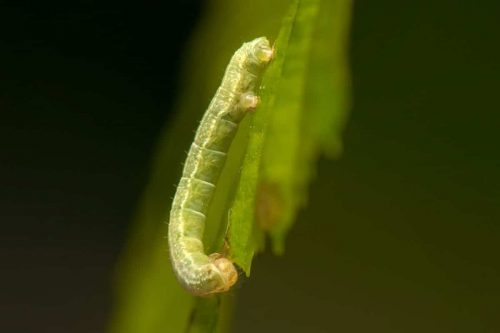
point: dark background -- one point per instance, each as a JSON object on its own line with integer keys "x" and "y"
{"x": 402, "y": 234}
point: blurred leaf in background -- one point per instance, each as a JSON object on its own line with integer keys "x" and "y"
{"x": 304, "y": 103}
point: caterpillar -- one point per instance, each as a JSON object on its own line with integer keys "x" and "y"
{"x": 197, "y": 272}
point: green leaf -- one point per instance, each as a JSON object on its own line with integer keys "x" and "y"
{"x": 271, "y": 161}
{"x": 308, "y": 115}
{"x": 244, "y": 235}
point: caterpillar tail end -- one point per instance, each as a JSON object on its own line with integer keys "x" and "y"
{"x": 227, "y": 272}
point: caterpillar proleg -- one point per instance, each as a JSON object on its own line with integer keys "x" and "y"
{"x": 199, "y": 273}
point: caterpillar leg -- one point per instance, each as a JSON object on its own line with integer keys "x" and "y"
{"x": 249, "y": 101}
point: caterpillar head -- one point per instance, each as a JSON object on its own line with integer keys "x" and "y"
{"x": 260, "y": 51}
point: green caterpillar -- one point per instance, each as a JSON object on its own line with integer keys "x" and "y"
{"x": 197, "y": 272}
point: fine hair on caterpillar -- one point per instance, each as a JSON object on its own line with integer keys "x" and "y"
{"x": 197, "y": 272}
